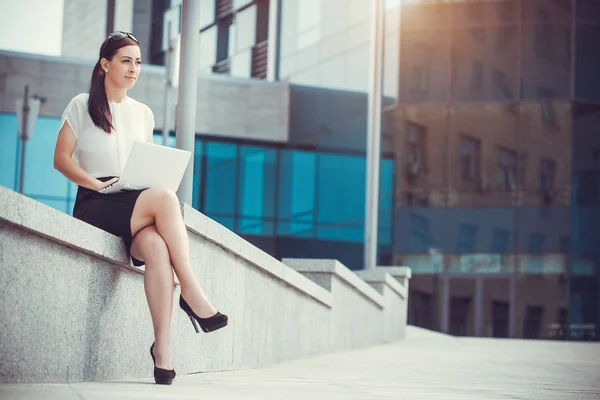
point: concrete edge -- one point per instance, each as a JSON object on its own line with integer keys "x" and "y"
{"x": 336, "y": 268}
{"x": 385, "y": 278}
{"x": 396, "y": 270}
{"x": 43, "y": 220}
{"x": 217, "y": 234}
{"x": 148, "y": 69}
{"x": 50, "y": 223}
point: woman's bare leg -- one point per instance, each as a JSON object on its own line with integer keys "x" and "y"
{"x": 160, "y": 207}
{"x": 150, "y": 247}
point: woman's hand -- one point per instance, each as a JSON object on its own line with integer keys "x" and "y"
{"x": 99, "y": 185}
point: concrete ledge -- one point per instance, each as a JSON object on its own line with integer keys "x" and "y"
{"x": 329, "y": 268}
{"x": 381, "y": 276}
{"x": 74, "y": 309}
{"x": 401, "y": 273}
{"x": 33, "y": 216}
{"x": 209, "y": 230}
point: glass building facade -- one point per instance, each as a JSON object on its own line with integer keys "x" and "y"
{"x": 290, "y": 201}
{"x": 495, "y": 136}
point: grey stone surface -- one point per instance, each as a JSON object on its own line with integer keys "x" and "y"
{"x": 244, "y": 108}
{"x": 383, "y": 318}
{"x": 73, "y": 309}
{"x": 210, "y": 231}
{"x": 378, "y": 278}
{"x": 401, "y": 273}
{"x": 315, "y": 268}
{"x": 426, "y": 366}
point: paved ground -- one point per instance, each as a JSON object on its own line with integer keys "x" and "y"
{"x": 424, "y": 366}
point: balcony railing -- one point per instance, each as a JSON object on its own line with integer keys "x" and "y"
{"x": 259, "y": 60}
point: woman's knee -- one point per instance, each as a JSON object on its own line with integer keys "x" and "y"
{"x": 163, "y": 197}
{"x": 152, "y": 246}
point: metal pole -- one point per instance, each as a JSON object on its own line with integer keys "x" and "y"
{"x": 24, "y": 136}
{"x": 167, "y": 105}
{"x": 374, "y": 135}
{"x": 273, "y": 52}
{"x": 188, "y": 89}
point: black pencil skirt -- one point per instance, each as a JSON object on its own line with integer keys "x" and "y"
{"x": 109, "y": 212}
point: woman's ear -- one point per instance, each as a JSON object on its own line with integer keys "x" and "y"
{"x": 104, "y": 64}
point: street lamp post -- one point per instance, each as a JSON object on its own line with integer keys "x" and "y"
{"x": 188, "y": 89}
{"x": 374, "y": 134}
{"x": 27, "y": 111}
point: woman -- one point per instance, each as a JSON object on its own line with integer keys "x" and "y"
{"x": 97, "y": 133}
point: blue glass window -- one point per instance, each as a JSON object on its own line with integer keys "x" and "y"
{"x": 297, "y": 193}
{"x": 257, "y": 190}
{"x": 8, "y": 150}
{"x": 500, "y": 241}
{"x": 340, "y": 197}
{"x": 467, "y": 236}
{"x": 197, "y": 180}
{"x": 221, "y": 182}
{"x": 386, "y": 201}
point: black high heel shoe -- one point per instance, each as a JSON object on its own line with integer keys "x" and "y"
{"x": 161, "y": 376}
{"x": 209, "y": 324}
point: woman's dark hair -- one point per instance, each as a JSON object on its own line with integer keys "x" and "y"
{"x": 97, "y": 101}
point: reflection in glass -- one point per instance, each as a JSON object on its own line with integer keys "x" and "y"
{"x": 257, "y": 190}
{"x": 221, "y": 182}
{"x": 297, "y": 193}
{"x": 587, "y": 61}
{"x": 9, "y": 138}
{"x": 197, "y": 177}
{"x": 546, "y": 60}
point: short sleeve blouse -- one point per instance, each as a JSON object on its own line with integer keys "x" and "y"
{"x": 103, "y": 154}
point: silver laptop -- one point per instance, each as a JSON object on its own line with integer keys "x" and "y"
{"x": 151, "y": 165}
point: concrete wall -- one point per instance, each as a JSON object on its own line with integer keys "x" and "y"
{"x": 248, "y": 109}
{"x": 73, "y": 309}
{"x": 84, "y": 28}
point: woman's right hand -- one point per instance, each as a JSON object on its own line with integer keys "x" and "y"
{"x": 99, "y": 185}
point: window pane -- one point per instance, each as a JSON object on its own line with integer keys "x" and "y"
{"x": 221, "y": 182}
{"x": 9, "y": 133}
{"x": 257, "y": 190}
{"x": 246, "y": 28}
{"x": 40, "y": 176}
{"x": 424, "y": 63}
{"x": 297, "y": 193}
{"x": 208, "y": 48}
{"x": 340, "y": 216}
{"x": 197, "y": 179}
{"x": 587, "y": 78}
{"x": 386, "y": 201}
{"x": 546, "y": 59}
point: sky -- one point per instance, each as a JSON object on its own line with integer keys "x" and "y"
{"x": 31, "y": 26}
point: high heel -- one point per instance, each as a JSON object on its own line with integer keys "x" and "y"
{"x": 161, "y": 376}
{"x": 209, "y": 324}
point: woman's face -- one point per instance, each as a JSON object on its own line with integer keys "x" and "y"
{"x": 125, "y": 67}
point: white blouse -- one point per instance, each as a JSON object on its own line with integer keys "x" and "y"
{"x": 103, "y": 154}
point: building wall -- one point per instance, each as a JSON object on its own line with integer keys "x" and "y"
{"x": 124, "y": 14}
{"x": 503, "y": 76}
{"x": 229, "y": 108}
{"x": 84, "y": 28}
{"x": 325, "y": 43}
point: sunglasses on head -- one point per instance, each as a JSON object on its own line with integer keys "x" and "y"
{"x": 116, "y": 36}
{"x": 120, "y": 35}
